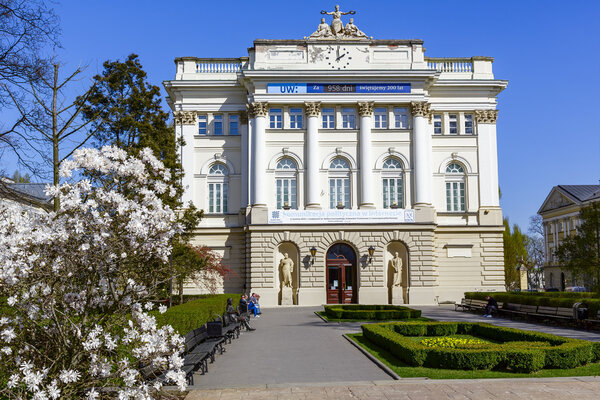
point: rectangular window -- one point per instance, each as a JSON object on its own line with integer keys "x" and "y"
{"x": 393, "y": 193}
{"x": 453, "y": 124}
{"x": 217, "y": 198}
{"x": 295, "y": 118}
{"x": 401, "y": 118}
{"x": 455, "y": 196}
{"x": 286, "y": 193}
{"x": 201, "y": 124}
{"x": 218, "y": 124}
{"x": 348, "y": 118}
{"x": 468, "y": 124}
{"x": 275, "y": 118}
{"x": 380, "y": 117}
{"x": 234, "y": 123}
{"x": 437, "y": 124}
{"x": 339, "y": 192}
{"x": 328, "y": 115}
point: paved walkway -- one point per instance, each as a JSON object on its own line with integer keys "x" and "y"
{"x": 413, "y": 389}
{"x": 290, "y": 345}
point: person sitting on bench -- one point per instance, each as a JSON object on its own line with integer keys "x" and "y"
{"x": 490, "y": 307}
{"x": 233, "y": 315}
{"x": 253, "y": 305}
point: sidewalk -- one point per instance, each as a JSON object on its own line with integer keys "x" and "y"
{"x": 415, "y": 389}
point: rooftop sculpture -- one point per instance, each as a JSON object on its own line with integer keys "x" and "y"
{"x": 337, "y": 30}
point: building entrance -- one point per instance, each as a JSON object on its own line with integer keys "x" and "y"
{"x": 341, "y": 275}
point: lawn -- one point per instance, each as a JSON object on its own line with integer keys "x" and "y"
{"x": 406, "y": 371}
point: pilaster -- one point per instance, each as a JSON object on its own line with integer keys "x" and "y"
{"x": 185, "y": 128}
{"x": 422, "y": 153}
{"x": 258, "y": 176}
{"x": 313, "y": 110}
{"x": 487, "y": 154}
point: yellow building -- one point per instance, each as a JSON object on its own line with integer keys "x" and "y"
{"x": 560, "y": 216}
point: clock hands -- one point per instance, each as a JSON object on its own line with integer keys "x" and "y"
{"x": 338, "y": 59}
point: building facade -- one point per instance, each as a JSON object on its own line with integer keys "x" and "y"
{"x": 351, "y": 155}
{"x": 560, "y": 219}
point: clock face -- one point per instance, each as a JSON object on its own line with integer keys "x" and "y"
{"x": 338, "y": 57}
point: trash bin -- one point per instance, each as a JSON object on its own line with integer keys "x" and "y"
{"x": 580, "y": 311}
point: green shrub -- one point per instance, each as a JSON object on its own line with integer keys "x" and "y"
{"x": 522, "y": 351}
{"x": 193, "y": 314}
{"x": 371, "y": 312}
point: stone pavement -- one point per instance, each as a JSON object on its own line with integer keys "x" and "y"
{"x": 414, "y": 389}
{"x": 289, "y": 345}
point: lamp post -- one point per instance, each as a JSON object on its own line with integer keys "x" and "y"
{"x": 371, "y": 251}
{"x": 313, "y": 253}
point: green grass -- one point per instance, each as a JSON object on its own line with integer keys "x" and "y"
{"x": 406, "y": 371}
{"x": 328, "y": 319}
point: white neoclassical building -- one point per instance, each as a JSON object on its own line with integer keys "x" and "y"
{"x": 340, "y": 151}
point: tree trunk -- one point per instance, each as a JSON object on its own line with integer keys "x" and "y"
{"x": 55, "y": 138}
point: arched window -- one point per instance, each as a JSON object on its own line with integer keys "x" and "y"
{"x": 455, "y": 188}
{"x": 217, "y": 189}
{"x": 285, "y": 179}
{"x": 393, "y": 184}
{"x": 339, "y": 183}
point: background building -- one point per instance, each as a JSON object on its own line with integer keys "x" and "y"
{"x": 560, "y": 218}
{"x": 341, "y": 151}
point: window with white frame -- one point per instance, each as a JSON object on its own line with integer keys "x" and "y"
{"x": 380, "y": 115}
{"x": 453, "y": 124}
{"x": 437, "y": 124}
{"x": 348, "y": 118}
{"x": 401, "y": 118}
{"x": 234, "y": 124}
{"x": 217, "y": 189}
{"x": 339, "y": 183}
{"x": 393, "y": 184}
{"x": 285, "y": 181}
{"x": 218, "y": 124}
{"x": 201, "y": 124}
{"x": 328, "y": 115}
{"x": 275, "y": 118}
{"x": 455, "y": 188}
{"x": 295, "y": 118}
{"x": 469, "y": 124}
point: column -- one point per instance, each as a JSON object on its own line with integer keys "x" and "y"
{"x": 185, "y": 123}
{"x": 365, "y": 111}
{"x": 487, "y": 154}
{"x": 258, "y": 189}
{"x": 313, "y": 110}
{"x": 245, "y": 152}
{"x": 422, "y": 153}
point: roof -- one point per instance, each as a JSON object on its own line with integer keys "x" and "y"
{"x": 35, "y": 192}
{"x": 582, "y": 192}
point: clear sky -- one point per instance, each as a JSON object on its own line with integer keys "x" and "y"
{"x": 549, "y": 51}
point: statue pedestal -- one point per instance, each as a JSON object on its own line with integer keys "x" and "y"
{"x": 287, "y": 296}
{"x": 397, "y": 295}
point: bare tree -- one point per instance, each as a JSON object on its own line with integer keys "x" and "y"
{"x": 535, "y": 251}
{"x": 53, "y": 120}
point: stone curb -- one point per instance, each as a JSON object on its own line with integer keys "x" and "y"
{"x": 371, "y": 357}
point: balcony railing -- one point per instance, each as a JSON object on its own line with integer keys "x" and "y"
{"x": 450, "y": 64}
{"x": 219, "y": 65}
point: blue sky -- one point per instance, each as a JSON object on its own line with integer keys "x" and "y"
{"x": 549, "y": 51}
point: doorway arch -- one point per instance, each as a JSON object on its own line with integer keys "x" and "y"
{"x": 341, "y": 274}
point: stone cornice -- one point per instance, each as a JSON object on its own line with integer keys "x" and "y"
{"x": 313, "y": 109}
{"x": 486, "y": 116}
{"x": 184, "y": 117}
{"x": 258, "y": 109}
{"x": 420, "y": 108}
{"x": 365, "y": 108}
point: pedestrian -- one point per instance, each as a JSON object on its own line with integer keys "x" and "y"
{"x": 491, "y": 306}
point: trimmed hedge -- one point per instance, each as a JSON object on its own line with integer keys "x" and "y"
{"x": 548, "y": 299}
{"x": 195, "y": 313}
{"x": 370, "y": 312}
{"x": 522, "y": 351}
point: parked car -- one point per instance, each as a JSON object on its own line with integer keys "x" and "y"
{"x": 576, "y": 289}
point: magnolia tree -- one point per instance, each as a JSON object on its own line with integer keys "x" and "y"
{"x": 78, "y": 281}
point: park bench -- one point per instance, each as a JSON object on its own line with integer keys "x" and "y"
{"x": 473, "y": 305}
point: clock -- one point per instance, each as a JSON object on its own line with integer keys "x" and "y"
{"x": 338, "y": 57}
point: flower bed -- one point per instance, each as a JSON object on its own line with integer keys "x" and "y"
{"x": 370, "y": 312}
{"x": 517, "y": 350}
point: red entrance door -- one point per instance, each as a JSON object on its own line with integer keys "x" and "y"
{"x": 341, "y": 275}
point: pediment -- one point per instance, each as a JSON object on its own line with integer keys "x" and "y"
{"x": 556, "y": 200}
